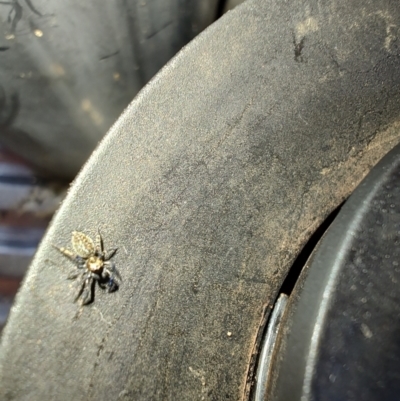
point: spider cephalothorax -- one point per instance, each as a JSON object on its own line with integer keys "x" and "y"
{"x": 93, "y": 264}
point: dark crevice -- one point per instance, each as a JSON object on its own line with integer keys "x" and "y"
{"x": 134, "y": 32}
{"x": 109, "y": 55}
{"x": 287, "y": 288}
{"x": 166, "y": 25}
{"x": 298, "y": 48}
{"x": 302, "y": 258}
{"x": 220, "y": 8}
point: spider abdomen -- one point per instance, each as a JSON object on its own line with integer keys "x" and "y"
{"x": 82, "y": 244}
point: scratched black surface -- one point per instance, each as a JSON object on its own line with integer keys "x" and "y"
{"x": 75, "y": 66}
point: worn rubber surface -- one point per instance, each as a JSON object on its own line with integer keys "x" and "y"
{"x": 209, "y": 184}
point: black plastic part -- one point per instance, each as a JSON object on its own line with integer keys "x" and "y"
{"x": 342, "y": 341}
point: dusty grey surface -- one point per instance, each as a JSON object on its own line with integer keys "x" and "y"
{"x": 209, "y": 184}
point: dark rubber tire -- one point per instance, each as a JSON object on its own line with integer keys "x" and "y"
{"x": 69, "y": 68}
{"x": 209, "y": 184}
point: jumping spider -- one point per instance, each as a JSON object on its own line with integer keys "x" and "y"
{"x": 93, "y": 264}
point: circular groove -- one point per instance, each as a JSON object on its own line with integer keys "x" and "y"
{"x": 339, "y": 331}
{"x": 267, "y": 348}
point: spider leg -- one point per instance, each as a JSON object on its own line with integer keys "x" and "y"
{"x": 73, "y": 275}
{"x": 84, "y": 279}
{"x": 66, "y": 252}
{"x": 99, "y": 244}
{"x": 112, "y": 284}
{"x": 95, "y": 276}
{"x": 109, "y": 254}
{"x": 79, "y": 261}
{"x": 101, "y": 278}
{"x": 112, "y": 269}
{"x": 88, "y": 290}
